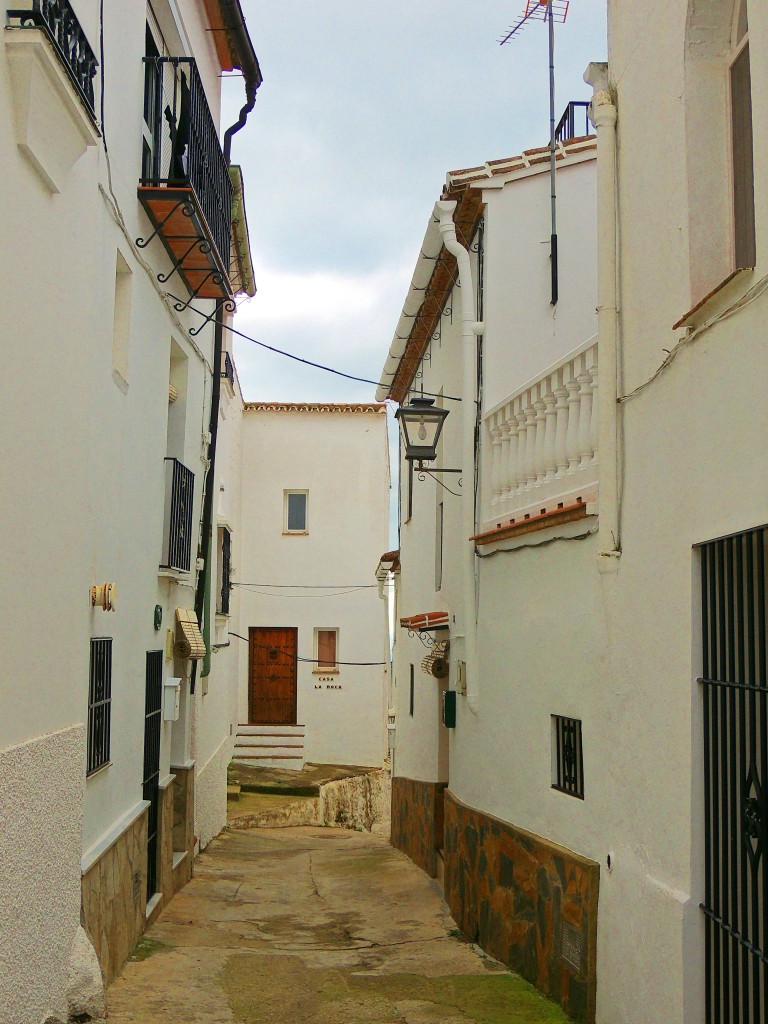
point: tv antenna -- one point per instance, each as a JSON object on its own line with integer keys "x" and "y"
{"x": 550, "y": 11}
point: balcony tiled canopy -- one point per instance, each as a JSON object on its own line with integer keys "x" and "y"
{"x": 180, "y": 224}
{"x": 185, "y": 186}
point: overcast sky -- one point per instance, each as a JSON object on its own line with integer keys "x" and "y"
{"x": 364, "y": 108}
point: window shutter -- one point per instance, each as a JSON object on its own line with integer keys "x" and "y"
{"x": 743, "y": 168}
{"x": 326, "y": 648}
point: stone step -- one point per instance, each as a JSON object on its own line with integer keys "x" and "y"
{"x": 268, "y": 757}
{"x": 233, "y": 792}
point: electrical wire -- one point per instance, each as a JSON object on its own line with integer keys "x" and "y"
{"x": 311, "y": 661}
{"x": 299, "y": 597}
{"x": 299, "y": 359}
{"x": 309, "y": 586}
{"x": 748, "y": 297}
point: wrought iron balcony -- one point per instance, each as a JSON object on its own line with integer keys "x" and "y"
{"x": 185, "y": 185}
{"x": 575, "y": 118}
{"x": 177, "y": 527}
{"x": 59, "y": 22}
{"x": 228, "y": 371}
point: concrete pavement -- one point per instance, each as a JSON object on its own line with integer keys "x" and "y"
{"x": 314, "y": 926}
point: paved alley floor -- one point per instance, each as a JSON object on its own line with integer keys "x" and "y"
{"x": 314, "y": 926}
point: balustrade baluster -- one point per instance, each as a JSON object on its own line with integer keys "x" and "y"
{"x": 585, "y": 412}
{"x": 550, "y": 428}
{"x": 530, "y": 441}
{"x": 572, "y": 437}
{"x": 594, "y": 425}
{"x": 561, "y": 426}
{"x": 495, "y": 461}
{"x": 504, "y": 461}
{"x": 522, "y": 447}
{"x": 541, "y": 417}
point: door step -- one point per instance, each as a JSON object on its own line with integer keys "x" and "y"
{"x": 270, "y": 746}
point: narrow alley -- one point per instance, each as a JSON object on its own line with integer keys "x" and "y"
{"x": 314, "y": 926}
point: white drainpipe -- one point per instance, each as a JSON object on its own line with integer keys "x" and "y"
{"x": 603, "y": 115}
{"x": 470, "y": 328}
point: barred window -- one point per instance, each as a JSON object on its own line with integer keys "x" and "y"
{"x": 99, "y": 703}
{"x": 224, "y": 571}
{"x": 567, "y": 759}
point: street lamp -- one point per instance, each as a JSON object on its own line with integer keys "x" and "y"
{"x": 421, "y": 423}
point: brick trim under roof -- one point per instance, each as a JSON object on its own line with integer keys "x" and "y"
{"x": 377, "y": 408}
{"x": 467, "y": 217}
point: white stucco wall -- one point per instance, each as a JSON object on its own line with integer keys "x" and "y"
{"x": 524, "y": 333}
{"x": 83, "y": 482}
{"x": 217, "y": 696}
{"x": 622, "y": 652}
{"x": 340, "y": 458}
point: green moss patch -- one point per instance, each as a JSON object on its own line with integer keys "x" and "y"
{"x": 147, "y": 947}
{"x": 264, "y": 989}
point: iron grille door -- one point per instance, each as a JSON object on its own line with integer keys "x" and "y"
{"x": 735, "y": 698}
{"x": 151, "y": 776}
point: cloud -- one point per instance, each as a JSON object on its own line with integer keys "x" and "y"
{"x": 340, "y": 319}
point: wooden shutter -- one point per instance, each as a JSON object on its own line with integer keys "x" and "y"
{"x": 326, "y": 648}
{"x": 743, "y": 168}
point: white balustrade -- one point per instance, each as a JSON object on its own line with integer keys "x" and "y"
{"x": 543, "y": 441}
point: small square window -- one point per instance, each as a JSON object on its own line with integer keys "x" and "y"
{"x": 295, "y": 512}
{"x": 326, "y": 650}
{"x": 567, "y": 756}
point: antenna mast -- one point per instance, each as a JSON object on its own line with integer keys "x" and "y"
{"x": 548, "y": 10}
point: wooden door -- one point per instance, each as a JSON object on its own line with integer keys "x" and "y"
{"x": 272, "y": 675}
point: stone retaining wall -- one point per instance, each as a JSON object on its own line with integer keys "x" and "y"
{"x": 416, "y": 816}
{"x": 527, "y": 902}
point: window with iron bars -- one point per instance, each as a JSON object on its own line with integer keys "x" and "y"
{"x": 225, "y": 571}
{"x": 99, "y": 704}
{"x": 567, "y": 757}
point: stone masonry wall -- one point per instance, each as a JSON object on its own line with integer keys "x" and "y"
{"x": 415, "y": 814}
{"x": 114, "y": 898}
{"x": 527, "y": 902}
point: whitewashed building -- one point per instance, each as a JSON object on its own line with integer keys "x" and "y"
{"x": 313, "y": 675}
{"x": 498, "y": 631}
{"x": 601, "y": 803}
{"x": 117, "y": 217}
{"x": 685, "y": 688}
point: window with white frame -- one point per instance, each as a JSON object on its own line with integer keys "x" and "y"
{"x": 326, "y": 650}
{"x": 295, "y": 511}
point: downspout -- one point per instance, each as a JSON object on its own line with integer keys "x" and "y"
{"x": 205, "y": 548}
{"x": 246, "y": 60}
{"x": 470, "y": 329}
{"x": 603, "y": 114}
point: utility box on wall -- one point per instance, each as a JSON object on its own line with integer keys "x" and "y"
{"x": 171, "y": 699}
{"x": 449, "y": 709}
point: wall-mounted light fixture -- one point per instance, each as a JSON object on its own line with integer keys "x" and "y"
{"x": 421, "y": 423}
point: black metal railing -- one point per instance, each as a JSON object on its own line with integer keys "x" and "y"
{"x": 59, "y": 22}
{"x": 177, "y": 530}
{"x": 183, "y": 148}
{"x": 228, "y": 370}
{"x": 567, "y": 756}
{"x": 574, "y": 123}
{"x": 99, "y": 704}
{"x": 734, "y": 682}
{"x": 226, "y": 571}
{"x": 150, "y": 789}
